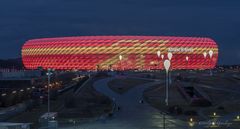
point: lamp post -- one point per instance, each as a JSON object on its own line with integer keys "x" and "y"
{"x": 187, "y": 58}
{"x": 162, "y": 56}
{"x": 158, "y": 54}
{"x": 210, "y": 57}
{"x": 49, "y": 73}
{"x": 167, "y": 65}
{"x": 205, "y": 56}
{"x": 169, "y": 55}
{"x": 120, "y": 58}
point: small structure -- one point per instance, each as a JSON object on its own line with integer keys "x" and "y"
{"x": 48, "y": 120}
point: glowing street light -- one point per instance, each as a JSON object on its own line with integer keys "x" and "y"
{"x": 120, "y": 58}
{"x": 167, "y": 65}
{"x": 205, "y": 56}
{"x": 158, "y": 54}
{"x": 169, "y": 55}
{"x": 214, "y": 114}
{"x": 213, "y": 123}
{"x": 191, "y": 123}
{"x": 238, "y": 117}
{"x": 191, "y": 120}
{"x": 187, "y": 58}
{"x": 210, "y": 53}
{"x": 162, "y": 56}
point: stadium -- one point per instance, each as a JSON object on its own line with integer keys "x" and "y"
{"x": 119, "y": 53}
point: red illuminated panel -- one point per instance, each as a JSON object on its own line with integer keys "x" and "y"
{"x": 138, "y": 52}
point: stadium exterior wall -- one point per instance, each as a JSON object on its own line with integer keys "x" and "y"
{"x": 103, "y": 52}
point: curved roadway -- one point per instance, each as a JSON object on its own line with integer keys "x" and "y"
{"x": 132, "y": 115}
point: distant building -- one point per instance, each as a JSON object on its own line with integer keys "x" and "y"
{"x": 119, "y": 52}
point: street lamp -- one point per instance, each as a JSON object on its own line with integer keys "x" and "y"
{"x": 210, "y": 53}
{"x": 187, "y": 58}
{"x": 120, "y": 58}
{"x": 158, "y": 54}
{"x": 214, "y": 114}
{"x": 169, "y": 55}
{"x": 191, "y": 122}
{"x": 167, "y": 65}
{"x": 49, "y": 73}
{"x": 205, "y": 56}
{"x": 210, "y": 56}
{"x": 162, "y": 56}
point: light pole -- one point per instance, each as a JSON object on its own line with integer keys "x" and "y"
{"x": 210, "y": 57}
{"x": 164, "y": 120}
{"x": 205, "y": 56}
{"x": 187, "y": 58}
{"x": 49, "y": 73}
{"x": 169, "y": 55}
{"x": 158, "y": 54}
{"x": 162, "y": 56}
{"x": 120, "y": 58}
{"x": 167, "y": 65}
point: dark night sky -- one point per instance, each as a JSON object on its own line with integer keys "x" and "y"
{"x": 21, "y": 20}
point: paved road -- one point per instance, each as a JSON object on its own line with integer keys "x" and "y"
{"x": 133, "y": 115}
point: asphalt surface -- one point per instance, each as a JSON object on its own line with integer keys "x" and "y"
{"x": 132, "y": 113}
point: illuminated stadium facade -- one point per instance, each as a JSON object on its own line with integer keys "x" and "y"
{"x": 119, "y": 52}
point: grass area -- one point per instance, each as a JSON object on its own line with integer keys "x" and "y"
{"x": 122, "y": 85}
{"x": 155, "y": 96}
{"x": 154, "y": 75}
{"x": 32, "y": 116}
{"x": 224, "y": 102}
{"x": 87, "y": 103}
{"x": 221, "y": 82}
